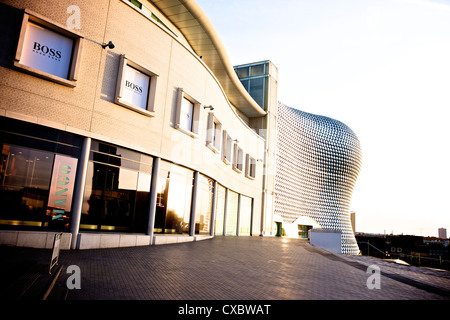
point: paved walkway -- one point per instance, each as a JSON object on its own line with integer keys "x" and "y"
{"x": 223, "y": 268}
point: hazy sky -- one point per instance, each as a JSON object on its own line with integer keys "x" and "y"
{"x": 383, "y": 68}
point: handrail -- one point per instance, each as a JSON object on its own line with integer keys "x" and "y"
{"x": 384, "y": 253}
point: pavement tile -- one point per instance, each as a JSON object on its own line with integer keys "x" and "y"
{"x": 231, "y": 268}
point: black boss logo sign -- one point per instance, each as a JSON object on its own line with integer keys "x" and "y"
{"x": 45, "y": 50}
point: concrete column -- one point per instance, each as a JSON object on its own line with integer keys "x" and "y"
{"x": 193, "y": 204}
{"x": 79, "y": 191}
{"x": 213, "y": 210}
{"x": 153, "y": 198}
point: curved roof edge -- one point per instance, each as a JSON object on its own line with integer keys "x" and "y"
{"x": 198, "y": 30}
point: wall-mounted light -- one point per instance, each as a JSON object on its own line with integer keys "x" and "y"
{"x": 209, "y": 107}
{"x": 109, "y": 45}
{"x": 236, "y": 140}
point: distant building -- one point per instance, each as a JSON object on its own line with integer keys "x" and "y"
{"x": 442, "y": 233}
{"x": 318, "y": 162}
{"x": 415, "y": 250}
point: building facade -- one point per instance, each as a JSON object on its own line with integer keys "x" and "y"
{"x": 123, "y": 123}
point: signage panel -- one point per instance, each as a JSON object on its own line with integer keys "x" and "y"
{"x": 62, "y": 185}
{"x": 47, "y": 51}
{"x": 135, "y": 87}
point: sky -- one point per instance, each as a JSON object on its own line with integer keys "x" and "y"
{"x": 382, "y": 67}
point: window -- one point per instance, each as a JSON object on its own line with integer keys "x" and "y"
{"x": 117, "y": 190}
{"x": 188, "y": 114}
{"x": 204, "y": 205}
{"x": 250, "y": 167}
{"x": 37, "y": 175}
{"x": 238, "y": 159}
{"x": 48, "y": 50}
{"x": 227, "y": 147}
{"x": 136, "y": 3}
{"x": 136, "y": 87}
{"x": 174, "y": 195}
{"x": 214, "y": 133}
{"x": 257, "y": 88}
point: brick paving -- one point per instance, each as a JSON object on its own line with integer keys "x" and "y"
{"x": 230, "y": 268}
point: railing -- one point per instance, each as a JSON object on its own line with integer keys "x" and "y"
{"x": 414, "y": 259}
{"x": 371, "y": 245}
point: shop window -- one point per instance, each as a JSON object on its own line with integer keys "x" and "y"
{"x": 245, "y": 215}
{"x": 37, "y": 176}
{"x": 188, "y": 114}
{"x": 205, "y": 194}
{"x": 214, "y": 133}
{"x": 136, "y": 3}
{"x": 136, "y": 87}
{"x": 48, "y": 50}
{"x": 174, "y": 196}
{"x": 220, "y": 210}
{"x": 117, "y": 191}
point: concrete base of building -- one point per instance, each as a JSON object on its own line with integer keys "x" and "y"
{"x": 44, "y": 240}
{"x": 33, "y": 239}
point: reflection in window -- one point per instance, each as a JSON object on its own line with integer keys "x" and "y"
{"x": 255, "y": 80}
{"x": 214, "y": 133}
{"x": 220, "y": 210}
{"x": 36, "y": 187}
{"x": 204, "y": 205}
{"x": 29, "y": 193}
{"x": 238, "y": 158}
{"x": 232, "y": 211}
{"x": 117, "y": 190}
{"x": 250, "y": 167}
{"x": 174, "y": 197}
{"x": 25, "y": 184}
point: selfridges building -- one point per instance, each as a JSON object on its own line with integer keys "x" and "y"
{"x": 317, "y": 164}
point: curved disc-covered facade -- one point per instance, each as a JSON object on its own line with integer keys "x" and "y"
{"x": 318, "y": 162}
